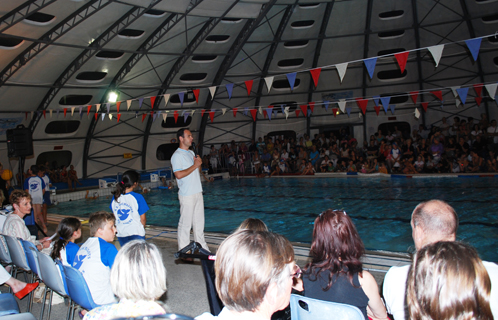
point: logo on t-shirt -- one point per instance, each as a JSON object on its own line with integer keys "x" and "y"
{"x": 123, "y": 211}
{"x": 34, "y": 185}
{"x": 81, "y": 256}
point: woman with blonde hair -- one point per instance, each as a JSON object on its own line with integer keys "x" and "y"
{"x": 448, "y": 280}
{"x": 138, "y": 279}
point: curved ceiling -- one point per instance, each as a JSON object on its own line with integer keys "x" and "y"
{"x": 60, "y": 54}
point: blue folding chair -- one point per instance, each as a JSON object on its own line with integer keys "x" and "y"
{"x": 31, "y": 251}
{"x": 303, "y": 308}
{"x": 8, "y": 304}
{"x": 52, "y": 277}
{"x": 5, "y": 258}
{"x": 77, "y": 288}
{"x": 20, "y": 316}
{"x": 20, "y": 261}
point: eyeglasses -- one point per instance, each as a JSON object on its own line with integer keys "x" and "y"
{"x": 297, "y": 272}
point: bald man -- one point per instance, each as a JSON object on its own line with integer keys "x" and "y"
{"x": 432, "y": 221}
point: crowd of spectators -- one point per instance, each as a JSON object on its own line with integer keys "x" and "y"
{"x": 462, "y": 146}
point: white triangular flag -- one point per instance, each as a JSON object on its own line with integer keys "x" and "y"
{"x": 269, "y": 81}
{"x": 491, "y": 89}
{"x": 128, "y": 105}
{"x": 261, "y": 110}
{"x": 342, "y": 105}
{"x": 50, "y": 113}
{"x": 457, "y": 102}
{"x": 341, "y": 69}
{"x": 359, "y": 115}
{"x": 72, "y": 111}
{"x": 436, "y": 52}
{"x": 286, "y": 111}
{"x": 193, "y": 111}
{"x": 165, "y": 115}
{"x": 417, "y": 113}
{"x": 224, "y": 110}
{"x": 454, "y": 90}
{"x": 166, "y": 99}
{"x": 110, "y": 116}
{"x": 213, "y": 91}
{"x": 98, "y": 107}
{"x": 103, "y": 116}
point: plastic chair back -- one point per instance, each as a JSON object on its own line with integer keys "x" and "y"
{"x": 60, "y": 266}
{"x": 78, "y": 289}
{"x": 20, "y": 316}
{"x": 31, "y": 251}
{"x": 4, "y": 251}
{"x": 303, "y": 308}
{"x": 8, "y": 304}
{"x": 49, "y": 272}
{"x": 215, "y": 304}
{"x": 17, "y": 253}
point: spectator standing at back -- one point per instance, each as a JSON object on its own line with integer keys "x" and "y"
{"x": 36, "y": 188}
{"x": 46, "y": 196}
{"x": 431, "y": 222}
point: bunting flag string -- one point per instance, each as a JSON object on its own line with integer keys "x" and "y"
{"x": 315, "y": 74}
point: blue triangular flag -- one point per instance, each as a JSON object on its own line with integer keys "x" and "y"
{"x": 108, "y": 106}
{"x": 462, "y": 93}
{"x": 185, "y": 116}
{"x": 326, "y": 105}
{"x": 474, "y": 45}
{"x": 140, "y": 101}
{"x": 181, "y": 95}
{"x": 348, "y": 110}
{"x": 392, "y": 106}
{"x": 282, "y": 107}
{"x": 229, "y": 90}
{"x": 291, "y": 77}
{"x": 385, "y": 102}
{"x": 309, "y": 112}
{"x": 376, "y": 100}
{"x": 370, "y": 64}
{"x": 154, "y": 117}
{"x": 246, "y": 110}
{"x": 269, "y": 112}
{"x": 275, "y": 112}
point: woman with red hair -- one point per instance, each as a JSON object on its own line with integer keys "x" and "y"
{"x": 335, "y": 272}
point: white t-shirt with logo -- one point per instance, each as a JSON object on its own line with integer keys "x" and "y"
{"x": 127, "y": 210}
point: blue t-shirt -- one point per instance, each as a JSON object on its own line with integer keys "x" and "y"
{"x": 191, "y": 184}
{"x": 95, "y": 259}
{"x": 127, "y": 210}
{"x": 314, "y": 154}
{"x": 35, "y": 187}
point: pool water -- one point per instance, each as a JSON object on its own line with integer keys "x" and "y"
{"x": 380, "y": 207}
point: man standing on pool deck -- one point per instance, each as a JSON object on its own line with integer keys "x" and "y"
{"x": 432, "y": 221}
{"x": 187, "y": 168}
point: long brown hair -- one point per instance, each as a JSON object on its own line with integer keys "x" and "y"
{"x": 448, "y": 280}
{"x": 336, "y": 247}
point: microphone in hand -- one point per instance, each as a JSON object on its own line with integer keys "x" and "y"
{"x": 194, "y": 148}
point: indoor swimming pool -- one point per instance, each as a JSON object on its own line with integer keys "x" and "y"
{"x": 380, "y": 207}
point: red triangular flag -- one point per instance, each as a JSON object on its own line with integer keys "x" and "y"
{"x": 401, "y": 58}
{"x": 235, "y": 112}
{"x": 211, "y": 115}
{"x": 143, "y": 117}
{"x": 152, "y": 100}
{"x": 297, "y": 113}
{"x": 377, "y": 109}
{"x": 254, "y": 112}
{"x": 362, "y": 103}
{"x": 438, "y": 94}
{"x": 196, "y": 94}
{"x": 152, "y": 114}
{"x": 88, "y": 109}
{"x": 265, "y": 113}
{"x": 175, "y": 115}
{"x": 26, "y": 115}
{"x": 478, "y": 89}
{"x": 478, "y": 100}
{"x": 202, "y": 112}
{"x": 424, "y": 105}
{"x": 304, "y": 109}
{"x": 334, "y": 110}
{"x": 65, "y": 111}
{"x": 96, "y": 116}
{"x": 45, "y": 114}
{"x": 119, "y": 116}
{"x": 249, "y": 86}
{"x": 315, "y": 74}
{"x": 414, "y": 96}
{"x": 117, "y": 106}
{"x": 312, "y": 106}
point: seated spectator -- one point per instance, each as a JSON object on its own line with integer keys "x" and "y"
{"x": 372, "y": 150}
{"x": 72, "y": 177}
{"x": 383, "y": 168}
{"x": 138, "y": 279}
{"x": 442, "y": 285}
{"x": 324, "y": 165}
{"x": 254, "y": 275}
{"x": 374, "y": 166}
{"x": 419, "y": 164}
{"x": 14, "y": 224}
{"x": 408, "y": 167}
{"x": 64, "y": 248}
{"x": 477, "y": 164}
{"x": 19, "y": 288}
{"x": 335, "y": 272}
{"x": 309, "y": 169}
{"x": 96, "y": 256}
{"x": 351, "y": 166}
{"x": 437, "y": 150}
